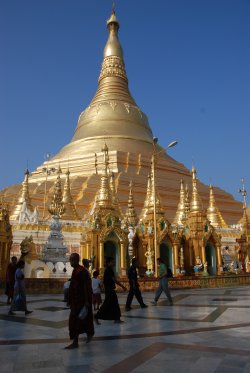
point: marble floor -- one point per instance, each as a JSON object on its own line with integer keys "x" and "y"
{"x": 205, "y": 330}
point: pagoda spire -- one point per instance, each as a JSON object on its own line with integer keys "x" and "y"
{"x": 154, "y": 198}
{"x": 196, "y": 204}
{"x": 112, "y": 100}
{"x": 213, "y": 215}
{"x": 70, "y": 210}
{"x": 180, "y": 215}
{"x": 57, "y": 207}
{"x": 131, "y": 218}
{"x": 187, "y": 201}
{"x": 146, "y": 202}
{"x": 24, "y": 199}
{"x": 104, "y": 196}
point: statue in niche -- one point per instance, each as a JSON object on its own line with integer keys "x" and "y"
{"x": 149, "y": 262}
{"x": 198, "y": 265}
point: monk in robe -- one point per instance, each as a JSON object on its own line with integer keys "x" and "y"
{"x": 80, "y": 295}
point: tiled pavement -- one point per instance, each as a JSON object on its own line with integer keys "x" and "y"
{"x": 205, "y": 330}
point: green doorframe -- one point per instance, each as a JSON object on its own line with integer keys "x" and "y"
{"x": 166, "y": 253}
{"x": 111, "y": 248}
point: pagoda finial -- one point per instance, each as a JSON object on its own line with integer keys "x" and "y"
{"x": 212, "y": 212}
{"x": 243, "y": 192}
{"x": 114, "y": 193}
{"x": 113, "y": 64}
{"x": 180, "y": 215}
{"x": 131, "y": 218}
{"x": 24, "y": 198}
{"x": 196, "y": 204}
{"x": 244, "y": 221}
{"x": 70, "y": 213}
{"x": 104, "y": 196}
{"x": 187, "y": 201}
{"x": 146, "y": 202}
{"x": 154, "y": 197}
{"x": 57, "y": 207}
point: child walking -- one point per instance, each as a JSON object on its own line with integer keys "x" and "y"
{"x": 96, "y": 287}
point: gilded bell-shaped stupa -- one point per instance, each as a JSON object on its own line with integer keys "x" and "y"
{"x": 113, "y": 117}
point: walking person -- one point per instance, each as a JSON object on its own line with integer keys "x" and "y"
{"x": 80, "y": 295}
{"x": 19, "y": 296}
{"x": 110, "y": 309}
{"x": 10, "y": 279}
{"x": 96, "y": 288}
{"x": 134, "y": 288}
{"x": 163, "y": 283}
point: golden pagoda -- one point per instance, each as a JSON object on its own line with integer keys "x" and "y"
{"x": 114, "y": 117}
{"x": 112, "y": 145}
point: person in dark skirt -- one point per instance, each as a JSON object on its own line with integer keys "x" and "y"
{"x": 80, "y": 295}
{"x": 110, "y": 309}
{"x": 10, "y": 279}
{"x": 134, "y": 289}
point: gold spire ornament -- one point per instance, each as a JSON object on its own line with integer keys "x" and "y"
{"x": 195, "y": 204}
{"x": 154, "y": 200}
{"x": 130, "y": 218}
{"x": 57, "y": 207}
{"x": 180, "y": 216}
{"x": 24, "y": 198}
{"x": 213, "y": 215}
{"x": 146, "y": 201}
{"x": 187, "y": 201}
{"x": 104, "y": 196}
{"x": 70, "y": 209}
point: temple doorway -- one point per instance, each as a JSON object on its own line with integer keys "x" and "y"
{"x": 166, "y": 253}
{"x": 211, "y": 258}
{"x": 111, "y": 248}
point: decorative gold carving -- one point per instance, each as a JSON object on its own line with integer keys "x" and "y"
{"x": 113, "y": 66}
{"x": 113, "y": 105}
{"x": 57, "y": 207}
{"x": 127, "y": 107}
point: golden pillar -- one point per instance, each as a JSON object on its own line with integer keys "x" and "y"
{"x": 123, "y": 260}
{"x": 101, "y": 258}
{"x": 176, "y": 258}
{"x": 218, "y": 259}
{"x": 203, "y": 254}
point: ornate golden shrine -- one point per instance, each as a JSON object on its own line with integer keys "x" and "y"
{"x": 5, "y": 239}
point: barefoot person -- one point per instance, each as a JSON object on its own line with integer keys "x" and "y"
{"x": 19, "y": 296}
{"x": 110, "y": 309}
{"x": 163, "y": 283}
{"x": 134, "y": 288}
{"x": 10, "y": 279}
{"x": 80, "y": 295}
